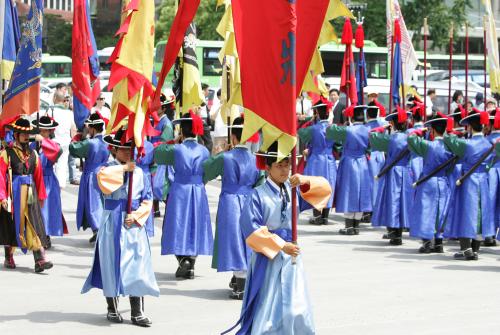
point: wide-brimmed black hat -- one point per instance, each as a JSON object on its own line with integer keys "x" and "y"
{"x": 22, "y": 126}
{"x": 95, "y": 119}
{"x": 45, "y": 122}
{"x": 115, "y": 139}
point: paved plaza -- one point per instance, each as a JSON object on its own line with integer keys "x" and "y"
{"x": 358, "y": 285}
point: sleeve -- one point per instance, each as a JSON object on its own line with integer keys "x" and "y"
{"x": 164, "y": 154}
{"x": 38, "y": 176}
{"x": 455, "y": 145}
{"x": 417, "y": 145}
{"x": 51, "y": 149}
{"x": 213, "y": 167}
{"x": 79, "y": 149}
{"x": 142, "y": 213}
{"x": 497, "y": 149}
{"x": 110, "y": 178}
{"x": 379, "y": 141}
{"x": 258, "y": 237}
{"x": 168, "y": 133}
{"x": 305, "y": 134}
{"x": 3, "y": 175}
{"x": 317, "y": 191}
{"x": 261, "y": 178}
{"x": 336, "y": 133}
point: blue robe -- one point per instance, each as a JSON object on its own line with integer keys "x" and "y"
{"x": 471, "y": 211}
{"x": 354, "y": 187}
{"x": 416, "y": 162}
{"x": 276, "y": 297}
{"x": 494, "y": 179}
{"x": 320, "y": 161}
{"x": 376, "y": 161}
{"x": 395, "y": 195}
{"x": 122, "y": 260}
{"x": 239, "y": 176}
{"x": 51, "y": 211}
{"x": 432, "y": 198}
{"x": 163, "y": 176}
{"x": 145, "y": 163}
{"x": 89, "y": 209}
{"x": 186, "y": 226}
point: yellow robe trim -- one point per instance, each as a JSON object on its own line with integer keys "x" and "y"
{"x": 110, "y": 178}
{"x": 319, "y": 192}
{"x": 266, "y": 243}
{"x": 142, "y": 213}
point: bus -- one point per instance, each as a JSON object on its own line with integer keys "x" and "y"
{"x": 55, "y": 69}
{"x": 103, "y": 55}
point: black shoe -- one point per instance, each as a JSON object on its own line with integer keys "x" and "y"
{"x": 232, "y": 283}
{"x": 41, "y": 264}
{"x": 426, "y": 247}
{"x": 466, "y": 255}
{"x": 94, "y": 237}
{"x": 490, "y": 242}
{"x": 318, "y": 221}
{"x": 137, "y": 312}
{"x": 389, "y": 236}
{"x": 396, "y": 241}
{"x": 113, "y": 314}
{"x": 437, "y": 249}
{"x": 186, "y": 268}
{"x": 49, "y": 243}
{"x": 349, "y": 231}
{"x": 239, "y": 289}
{"x": 367, "y": 218}
{"x": 157, "y": 214}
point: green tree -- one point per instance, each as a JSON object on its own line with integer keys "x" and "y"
{"x": 439, "y": 18}
{"x": 57, "y": 35}
{"x": 207, "y": 18}
{"x": 375, "y": 22}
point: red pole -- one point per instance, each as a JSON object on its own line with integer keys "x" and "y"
{"x": 466, "y": 64}
{"x": 485, "y": 57}
{"x": 294, "y": 198}
{"x": 361, "y": 77}
{"x": 425, "y": 68}
{"x": 130, "y": 180}
{"x": 392, "y": 69}
{"x": 450, "y": 65}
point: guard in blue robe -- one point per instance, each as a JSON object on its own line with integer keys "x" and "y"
{"x": 471, "y": 212}
{"x": 239, "y": 176}
{"x": 163, "y": 174}
{"x": 494, "y": 175}
{"x": 395, "y": 195}
{"x": 95, "y": 152}
{"x": 432, "y": 197}
{"x": 353, "y": 189}
{"x": 416, "y": 162}
{"x": 49, "y": 152}
{"x": 122, "y": 261}
{"x": 276, "y": 297}
{"x": 320, "y": 159}
{"x": 146, "y": 163}
{"x": 187, "y": 231}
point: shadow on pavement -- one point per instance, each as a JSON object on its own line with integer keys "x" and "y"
{"x": 98, "y": 319}
{"x": 217, "y": 294}
{"x": 469, "y": 268}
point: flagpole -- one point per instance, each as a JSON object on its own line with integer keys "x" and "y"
{"x": 466, "y": 64}
{"x": 485, "y": 18}
{"x": 450, "y": 65}
{"x": 392, "y": 68}
{"x": 130, "y": 179}
{"x": 228, "y": 96}
{"x": 426, "y": 32}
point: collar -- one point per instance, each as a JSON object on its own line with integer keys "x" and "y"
{"x": 241, "y": 146}
{"x": 495, "y": 132}
{"x": 438, "y": 138}
{"x": 418, "y": 124}
{"x": 324, "y": 121}
{"x": 357, "y": 122}
{"x": 273, "y": 185}
{"x": 478, "y": 135}
{"x": 190, "y": 139}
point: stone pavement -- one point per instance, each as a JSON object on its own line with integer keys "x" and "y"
{"x": 358, "y": 285}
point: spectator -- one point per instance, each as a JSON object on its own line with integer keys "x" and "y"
{"x": 220, "y": 130}
{"x": 303, "y": 107}
{"x": 337, "y": 113}
{"x": 458, "y": 99}
{"x": 491, "y": 104}
{"x": 429, "y": 101}
{"x": 102, "y": 107}
{"x": 203, "y": 112}
{"x": 480, "y": 101}
{"x": 63, "y": 134}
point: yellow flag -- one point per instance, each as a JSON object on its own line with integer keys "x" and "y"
{"x": 492, "y": 48}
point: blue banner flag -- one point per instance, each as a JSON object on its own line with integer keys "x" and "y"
{"x": 9, "y": 37}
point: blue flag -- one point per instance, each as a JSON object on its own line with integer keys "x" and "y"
{"x": 361, "y": 77}
{"x": 9, "y": 37}
{"x": 397, "y": 71}
{"x": 23, "y": 94}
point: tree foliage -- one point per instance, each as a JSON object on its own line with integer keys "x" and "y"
{"x": 57, "y": 35}
{"x": 207, "y": 18}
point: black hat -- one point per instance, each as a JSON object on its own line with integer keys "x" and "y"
{"x": 372, "y": 110}
{"x": 359, "y": 113}
{"x": 440, "y": 120}
{"x": 22, "y": 126}
{"x": 115, "y": 140}
{"x": 166, "y": 100}
{"x": 45, "y": 122}
{"x": 476, "y": 115}
{"x": 95, "y": 119}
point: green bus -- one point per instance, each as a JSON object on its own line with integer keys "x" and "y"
{"x": 55, "y": 69}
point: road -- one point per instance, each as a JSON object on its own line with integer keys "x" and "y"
{"x": 358, "y": 285}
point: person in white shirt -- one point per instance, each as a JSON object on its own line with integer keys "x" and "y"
{"x": 303, "y": 107}
{"x": 220, "y": 129}
{"x": 101, "y": 107}
{"x": 62, "y": 135}
{"x": 429, "y": 102}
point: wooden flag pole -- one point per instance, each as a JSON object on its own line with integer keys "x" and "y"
{"x": 450, "y": 65}
{"x": 466, "y": 64}
{"x": 485, "y": 23}
{"x": 426, "y": 33}
{"x": 392, "y": 69}
{"x": 130, "y": 180}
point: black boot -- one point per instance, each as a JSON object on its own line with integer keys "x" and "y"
{"x": 156, "y": 208}
{"x": 426, "y": 247}
{"x": 186, "y": 267}
{"x": 9, "y": 258}
{"x": 390, "y": 234}
{"x": 490, "y": 241}
{"x": 41, "y": 263}
{"x": 239, "y": 289}
{"x": 232, "y": 283}
{"x": 475, "y": 244}
{"x": 113, "y": 314}
{"x": 397, "y": 237}
{"x": 137, "y": 312}
{"x": 356, "y": 226}
{"x": 49, "y": 243}
{"x": 438, "y": 246}
{"x": 94, "y": 237}
{"x": 367, "y": 217}
{"x": 466, "y": 255}
{"x": 349, "y": 228}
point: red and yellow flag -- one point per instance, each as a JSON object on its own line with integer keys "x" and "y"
{"x": 132, "y": 69}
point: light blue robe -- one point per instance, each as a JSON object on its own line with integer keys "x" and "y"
{"x": 146, "y": 163}
{"x": 122, "y": 261}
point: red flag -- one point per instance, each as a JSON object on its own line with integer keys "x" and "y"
{"x": 285, "y": 38}
{"x": 185, "y": 14}
{"x": 348, "y": 76}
